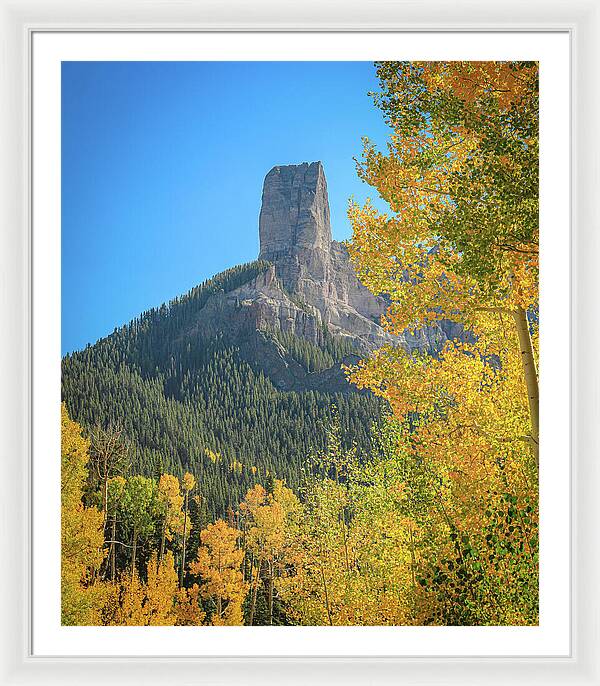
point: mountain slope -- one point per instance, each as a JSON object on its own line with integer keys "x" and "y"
{"x": 193, "y": 402}
{"x": 239, "y": 378}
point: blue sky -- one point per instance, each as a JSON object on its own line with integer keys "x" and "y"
{"x": 163, "y": 164}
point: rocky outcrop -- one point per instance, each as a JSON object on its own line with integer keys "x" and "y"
{"x": 295, "y": 236}
{"x": 294, "y": 216}
{"x": 309, "y": 288}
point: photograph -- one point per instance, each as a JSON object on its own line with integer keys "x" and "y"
{"x": 300, "y": 343}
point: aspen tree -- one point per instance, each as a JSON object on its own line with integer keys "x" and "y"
{"x": 218, "y": 564}
{"x": 187, "y": 484}
{"x": 82, "y": 541}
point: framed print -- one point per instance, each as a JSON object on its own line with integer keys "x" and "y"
{"x": 308, "y": 390}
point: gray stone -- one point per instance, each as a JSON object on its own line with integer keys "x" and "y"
{"x": 295, "y": 236}
{"x": 310, "y": 287}
{"x": 294, "y": 215}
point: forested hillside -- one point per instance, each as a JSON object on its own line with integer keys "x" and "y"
{"x": 192, "y": 403}
{"x": 269, "y": 450}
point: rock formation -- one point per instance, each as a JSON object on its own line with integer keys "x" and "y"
{"x": 295, "y": 236}
{"x": 309, "y": 288}
{"x": 294, "y": 216}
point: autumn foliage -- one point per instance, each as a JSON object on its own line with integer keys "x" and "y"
{"x": 440, "y": 524}
{"x": 460, "y": 249}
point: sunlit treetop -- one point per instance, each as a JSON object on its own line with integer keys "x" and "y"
{"x": 460, "y": 175}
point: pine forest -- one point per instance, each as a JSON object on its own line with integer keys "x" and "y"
{"x": 367, "y": 460}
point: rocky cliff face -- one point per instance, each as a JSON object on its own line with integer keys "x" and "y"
{"x": 295, "y": 236}
{"x": 309, "y": 288}
{"x": 294, "y": 216}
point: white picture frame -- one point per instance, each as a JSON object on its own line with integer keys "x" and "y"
{"x": 18, "y": 22}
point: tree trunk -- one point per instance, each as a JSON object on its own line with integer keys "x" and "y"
{"x": 270, "y": 593}
{"x": 255, "y": 593}
{"x": 343, "y": 518}
{"x": 413, "y": 563}
{"x": 162, "y": 542}
{"x": 134, "y": 548}
{"x": 113, "y": 549}
{"x": 184, "y": 535}
{"x": 105, "y": 504}
{"x": 531, "y": 378}
{"x": 326, "y": 596}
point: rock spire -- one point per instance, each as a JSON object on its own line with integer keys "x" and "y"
{"x": 295, "y": 211}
